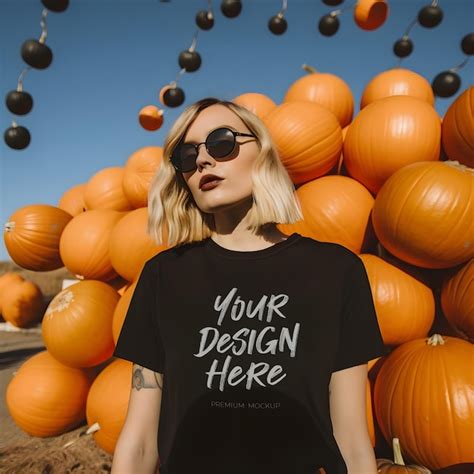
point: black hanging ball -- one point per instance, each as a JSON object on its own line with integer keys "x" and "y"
{"x": 56, "y": 5}
{"x": 231, "y": 8}
{"x": 403, "y": 47}
{"x": 467, "y": 44}
{"x": 446, "y": 84}
{"x": 328, "y": 25}
{"x": 173, "y": 97}
{"x": 332, "y": 3}
{"x": 430, "y": 16}
{"x": 19, "y": 103}
{"x": 204, "y": 21}
{"x": 17, "y": 137}
{"x": 277, "y": 24}
{"x": 190, "y": 60}
{"x": 36, "y": 54}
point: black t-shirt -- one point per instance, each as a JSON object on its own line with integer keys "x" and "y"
{"x": 247, "y": 342}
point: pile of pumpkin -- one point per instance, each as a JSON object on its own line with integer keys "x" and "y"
{"x": 394, "y": 185}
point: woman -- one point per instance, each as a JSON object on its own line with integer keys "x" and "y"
{"x": 250, "y": 347}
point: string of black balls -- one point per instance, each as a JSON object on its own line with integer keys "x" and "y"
{"x": 38, "y": 55}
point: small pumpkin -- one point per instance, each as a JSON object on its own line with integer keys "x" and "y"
{"x": 259, "y": 104}
{"x": 6, "y": 280}
{"x": 370, "y": 14}
{"x": 457, "y": 300}
{"x": 324, "y": 89}
{"x": 458, "y": 129}
{"x": 72, "y": 200}
{"x": 398, "y": 466}
{"x": 397, "y": 81}
{"x": 139, "y": 170}
{"x": 150, "y": 117}
{"x": 335, "y": 209}
{"x": 32, "y": 236}
{"x": 423, "y": 214}
{"x": 77, "y": 325}
{"x": 47, "y": 398}
{"x": 104, "y": 190}
{"x": 308, "y": 138}
{"x": 23, "y": 304}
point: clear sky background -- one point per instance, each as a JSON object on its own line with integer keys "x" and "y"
{"x": 111, "y": 58}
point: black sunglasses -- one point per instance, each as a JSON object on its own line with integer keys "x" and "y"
{"x": 220, "y": 143}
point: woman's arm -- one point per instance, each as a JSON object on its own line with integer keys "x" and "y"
{"x": 347, "y": 400}
{"x": 136, "y": 449}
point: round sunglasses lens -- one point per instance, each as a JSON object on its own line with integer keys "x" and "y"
{"x": 220, "y": 143}
{"x": 187, "y": 158}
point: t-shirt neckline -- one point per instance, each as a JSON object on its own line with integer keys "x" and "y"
{"x": 252, "y": 254}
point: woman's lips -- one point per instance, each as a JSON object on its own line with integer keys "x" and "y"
{"x": 210, "y": 184}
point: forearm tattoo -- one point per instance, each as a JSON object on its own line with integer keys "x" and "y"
{"x": 149, "y": 379}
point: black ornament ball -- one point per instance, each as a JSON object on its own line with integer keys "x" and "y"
{"x": 19, "y": 102}
{"x": 189, "y": 60}
{"x": 56, "y": 5}
{"x": 332, "y": 3}
{"x": 446, "y": 84}
{"x": 277, "y": 25}
{"x": 430, "y": 16}
{"x": 17, "y": 137}
{"x": 328, "y": 25}
{"x": 36, "y": 54}
{"x": 467, "y": 44}
{"x": 173, "y": 97}
{"x": 231, "y": 8}
{"x": 204, "y": 20}
{"x": 403, "y": 47}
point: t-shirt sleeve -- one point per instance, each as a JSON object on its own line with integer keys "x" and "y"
{"x": 140, "y": 339}
{"x": 360, "y": 337}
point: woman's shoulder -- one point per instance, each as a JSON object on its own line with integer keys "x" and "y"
{"x": 332, "y": 250}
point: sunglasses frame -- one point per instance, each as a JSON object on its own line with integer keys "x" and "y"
{"x": 197, "y": 145}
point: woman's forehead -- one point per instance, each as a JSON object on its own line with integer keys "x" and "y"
{"x": 208, "y": 120}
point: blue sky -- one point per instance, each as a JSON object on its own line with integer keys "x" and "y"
{"x": 111, "y": 58}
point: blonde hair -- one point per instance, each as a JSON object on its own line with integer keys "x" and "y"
{"x": 171, "y": 204}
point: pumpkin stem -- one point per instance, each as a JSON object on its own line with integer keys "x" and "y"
{"x": 309, "y": 68}
{"x": 92, "y": 429}
{"x": 458, "y": 166}
{"x": 397, "y": 452}
{"x": 9, "y": 226}
{"x": 436, "y": 339}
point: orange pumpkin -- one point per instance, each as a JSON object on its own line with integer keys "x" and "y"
{"x": 104, "y": 190}
{"x": 84, "y": 245}
{"x": 72, "y": 200}
{"x": 398, "y": 466}
{"x": 32, "y": 236}
{"x": 405, "y": 307}
{"x": 324, "y": 89}
{"x": 130, "y": 246}
{"x": 335, "y": 209}
{"x": 121, "y": 310}
{"x": 423, "y": 214}
{"x": 370, "y": 14}
{"x": 6, "y": 280}
{"x": 140, "y": 168}
{"x": 424, "y": 395}
{"x": 397, "y": 81}
{"x": 107, "y": 402}
{"x": 77, "y": 325}
{"x": 23, "y": 304}
{"x": 388, "y": 135}
{"x": 47, "y": 398}
{"x": 457, "y": 300}
{"x": 258, "y": 104}
{"x": 458, "y": 129}
{"x": 308, "y": 138}
{"x": 150, "y": 117}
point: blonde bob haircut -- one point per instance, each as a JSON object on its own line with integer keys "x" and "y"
{"x": 171, "y": 203}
